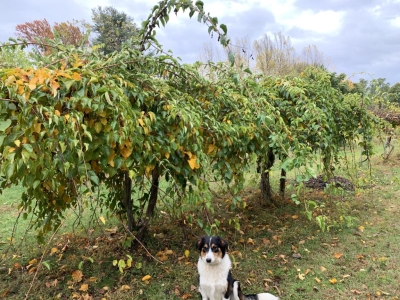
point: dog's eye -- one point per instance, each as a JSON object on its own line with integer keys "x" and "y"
{"x": 204, "y": 249}
{"x": 215, "y": 249}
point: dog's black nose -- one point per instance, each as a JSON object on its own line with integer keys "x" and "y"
{"x": 208, "y": 260}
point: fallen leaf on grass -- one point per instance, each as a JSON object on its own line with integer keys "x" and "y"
{"x": 17, "y": 266}
{"x": 296, "y": 255}
{"x": 338, "y": 255}
{"x": 250, "y": 241}
{"x": 323, "y": 269}
{"x": 84, "y": 287}
{"x": 53, "y": 250}
{"x": 125, "y": 287}
{"x": 355, "y": 292}
{"x": 51, "y": 283}
{"x": 317, "y": 280}
{"x": 333, "y": 281}
{"x": 186, "y": 296}
{"x": 146, "y": 278}
{"x": 187, "y": 252}
{"x": 77, "y": 275}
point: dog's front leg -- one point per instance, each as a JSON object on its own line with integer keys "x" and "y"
{"x": 203, "y": 295}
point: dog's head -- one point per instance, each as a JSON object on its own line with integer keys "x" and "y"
{"x": 212, "y": 248}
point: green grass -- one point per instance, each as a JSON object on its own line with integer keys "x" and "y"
{"x": 356, "y": 259}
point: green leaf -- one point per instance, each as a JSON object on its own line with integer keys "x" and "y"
{"x": 28, "y": 147}
{"x": 231, "y": 58}
{"x": 200, "y": 16}
{"x": 2, "y": 136}
{"x": 236, "y": 78}
{"x": 46, "y": 264}
{"x": 199, "y": 5}
{"x": 247, "y": 70}
{"x": 5, "y": 124}
{"x": 224, "y": 28}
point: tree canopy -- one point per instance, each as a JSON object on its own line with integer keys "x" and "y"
{"x": 68, "y": 33}
{"x": 112, "y": 27}
{"x": 126, "y": 120}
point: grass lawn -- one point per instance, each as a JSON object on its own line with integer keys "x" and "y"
{"x": 277, "y": 249}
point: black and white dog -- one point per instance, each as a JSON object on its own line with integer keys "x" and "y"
{"x": 215, "y": 277}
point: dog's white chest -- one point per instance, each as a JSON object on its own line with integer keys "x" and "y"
{"x": 213, "y": 279}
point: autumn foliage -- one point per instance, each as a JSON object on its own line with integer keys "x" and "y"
{"x": 126, "y": 120}
{"x": 68, "y": 33}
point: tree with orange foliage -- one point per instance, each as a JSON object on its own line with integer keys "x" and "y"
{"x": 69, "y": 33}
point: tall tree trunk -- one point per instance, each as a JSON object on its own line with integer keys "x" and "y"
{"x": 155, "y": 182}
{"x": 264, "y": 168}
{"x": 128, "y": 201}
{"x": 282, "y": 184}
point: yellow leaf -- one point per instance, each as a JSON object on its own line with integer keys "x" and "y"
{"x": 317, "y": 280}
{"x": 111, "y": 158}
{"x": 17, "y": 143}
{"x": 76, "y": 76}
{"x": 84, "y": 287}
{"x": 54, "y": 87}
{"x": 338, "y": 255}
{"x": 141, "y": 122}
{"x": 301, "y": 276}
{"x": 53, "y": 250}
{"x": 192, "y": 162}
{"x": 163, "y": 257}
{"x": 211, "y": 148}
{"x": 33, "y": 261}
{"x": 77, "y": 275}
{"x": 294, "y": 217}
{"x": 98, "y": 126}
{"x": 146, "y": 278}
{"x": 102, "y": 220}
{"x": 37, "y": 127}
{"x": 126, "y": 149}
{"x": 187, "y": 252}
{"x": 323, "y": 269}
{"x": 333, "y": 281}
{"x": 103, "y": 114}
{"x": 11, "y": 150}
{"x": 103, "y": 121}
{"x": 57, "y": 113}
{"x": 167, "y": 155}
{"x": 125, "y": 287}
{"x": 250, "y": 241}
{"x": 361, "y": 228}
{"x": 32, "y": 83}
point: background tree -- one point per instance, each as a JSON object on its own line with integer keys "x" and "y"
{"x": 112, "y": 27}
{"x": 14, "y": 57}
{"x": 274, "y": 55}
{"x": 394, "y": 93}
{"x": 68, "y": 33}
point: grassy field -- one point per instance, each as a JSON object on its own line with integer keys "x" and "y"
{"x": 277, "y": 248}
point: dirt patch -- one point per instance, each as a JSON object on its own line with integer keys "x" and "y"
{"x": 319, "y": 183}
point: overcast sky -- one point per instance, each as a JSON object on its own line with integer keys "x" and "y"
{"x": 356, "y": 35}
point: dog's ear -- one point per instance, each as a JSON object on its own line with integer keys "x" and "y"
{"x": 199, "y": 243}
{"x": 224, "y": 243}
